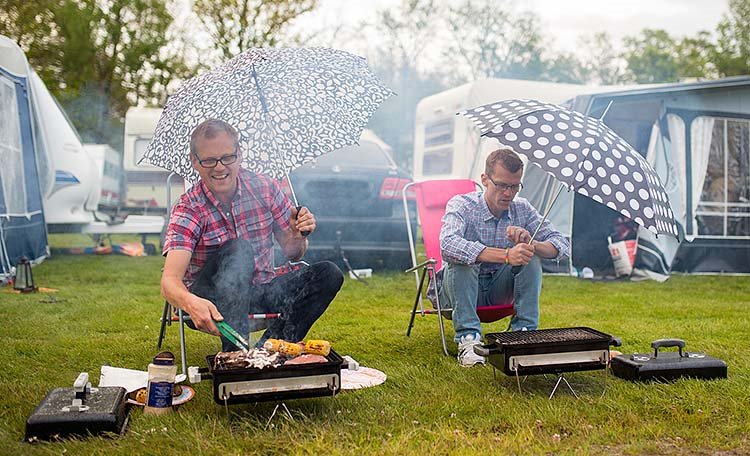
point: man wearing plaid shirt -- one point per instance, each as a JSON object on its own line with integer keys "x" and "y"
{"x": 219, "y": 247}
{"x": 484, "y": 235}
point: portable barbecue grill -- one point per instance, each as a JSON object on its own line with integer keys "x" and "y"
{"x": 548, "y": 351}
{"x": 296, "y": 381}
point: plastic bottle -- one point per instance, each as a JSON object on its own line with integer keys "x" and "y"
{"x": 161, "y": 376}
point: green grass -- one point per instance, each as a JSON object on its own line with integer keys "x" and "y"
{"x": 107, "y": 309}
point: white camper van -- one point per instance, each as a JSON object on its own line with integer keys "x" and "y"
{"x": 449, "y": 146}
{"x": 146, "y": 184}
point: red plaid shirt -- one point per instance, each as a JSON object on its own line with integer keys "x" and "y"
{"x": 198, "y": 224}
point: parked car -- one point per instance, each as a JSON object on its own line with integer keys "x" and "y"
{"x": 356, "y": 196}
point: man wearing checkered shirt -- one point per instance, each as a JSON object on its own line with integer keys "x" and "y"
{"x": 219, "y": 247}
{"x": 484, "y": 235}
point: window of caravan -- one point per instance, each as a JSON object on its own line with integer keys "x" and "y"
{"x": 724, "y": 207}
{"x": 438, "y": 148}
{"x": 11, "y": 175}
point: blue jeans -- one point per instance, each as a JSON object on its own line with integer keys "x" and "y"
{"x": 464, "y": 288}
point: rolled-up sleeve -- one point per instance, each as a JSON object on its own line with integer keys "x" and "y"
{"x": 548, "y": 233}
{"x": 454, "y": 246}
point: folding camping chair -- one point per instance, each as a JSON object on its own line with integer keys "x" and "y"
{"x": 431, "y": 198}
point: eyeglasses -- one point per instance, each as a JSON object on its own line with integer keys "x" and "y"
{"x": 505, "y": 187}
{"x": 212, "y": 162}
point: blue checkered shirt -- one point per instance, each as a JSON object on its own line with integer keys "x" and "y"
{"x": 469, "y": 227}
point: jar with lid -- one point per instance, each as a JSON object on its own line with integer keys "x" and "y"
{"x": 161, "y": 378}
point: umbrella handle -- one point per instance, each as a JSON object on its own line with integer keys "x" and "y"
{"x": 304, "y": 233}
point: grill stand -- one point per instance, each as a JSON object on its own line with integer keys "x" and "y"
{"x": 561, "y": 378}
{"x": 276, "y": 409}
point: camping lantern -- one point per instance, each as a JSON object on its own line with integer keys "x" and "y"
{"x": 24, "y": 280}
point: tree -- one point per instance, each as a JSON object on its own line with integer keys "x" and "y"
{"x": 565, "y": 68}
{"x": 731, "y": 55}
{"x": 97, "y": 57}
{"x": 237, "y": 25}
{"x": 603, "y": 64}
{"x": 399, "y": 59}
{"x": 492, "y": 42}
{"x": 651, "y": 57}
{"x": 655, "y": 56}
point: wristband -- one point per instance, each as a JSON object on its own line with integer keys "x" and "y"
{"x": 507, "y": 255}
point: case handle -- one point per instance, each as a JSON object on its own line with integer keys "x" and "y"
{"x": 658, "y": 343}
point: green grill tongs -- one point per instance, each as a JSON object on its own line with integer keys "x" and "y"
{"x": 232, "y": 335}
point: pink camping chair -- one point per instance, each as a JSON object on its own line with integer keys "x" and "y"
{"x": 431, "y": 198}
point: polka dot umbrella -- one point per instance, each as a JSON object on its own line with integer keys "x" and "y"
{"x": 289, "y": 106}
{"x": 582, "y": 153}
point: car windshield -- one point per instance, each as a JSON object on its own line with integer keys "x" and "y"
{"x": 364, "y": 154}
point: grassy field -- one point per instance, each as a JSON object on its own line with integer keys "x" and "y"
{"x": 106, "y": 311}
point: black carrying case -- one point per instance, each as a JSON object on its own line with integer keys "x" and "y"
{"x": 668, "y": 366}
{"x": 80, "y": 410}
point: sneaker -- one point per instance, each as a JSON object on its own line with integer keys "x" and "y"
{"x": 466, "y": 355}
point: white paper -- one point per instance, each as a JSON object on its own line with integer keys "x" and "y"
{"x": 129, "y": 379}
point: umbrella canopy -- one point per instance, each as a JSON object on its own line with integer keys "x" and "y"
{"x": 582, "y": 153}
{"x": 288, "y": 105}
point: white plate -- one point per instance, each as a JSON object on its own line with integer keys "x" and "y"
{"x": 363, "y": 377}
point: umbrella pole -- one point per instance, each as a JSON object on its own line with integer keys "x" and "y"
{"x": 291, "y": 190}
{"x": 546, "y": 212}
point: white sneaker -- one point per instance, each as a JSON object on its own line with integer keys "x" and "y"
{"x": 466, "y": 355}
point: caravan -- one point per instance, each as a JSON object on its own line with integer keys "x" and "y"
{"x": 146, "y": 184}
{"x": 25, "y": 175}
{"x": 75, "y": 181}
{"x": 447, "y": 145}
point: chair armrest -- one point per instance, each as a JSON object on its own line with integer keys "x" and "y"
{"x": 430, "y": 261}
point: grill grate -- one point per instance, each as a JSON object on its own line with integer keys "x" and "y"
{"x": 547, "y": 336}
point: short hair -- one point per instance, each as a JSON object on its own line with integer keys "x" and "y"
{"x": 210, "y": 129}
{"x": 506, "y": 157}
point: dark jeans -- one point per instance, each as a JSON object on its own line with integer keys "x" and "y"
{"x": 300, "y": 296}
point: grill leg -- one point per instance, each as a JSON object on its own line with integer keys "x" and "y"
{"x": 561, "y": 378}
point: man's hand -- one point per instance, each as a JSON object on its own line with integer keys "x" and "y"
{"x": 302, "y": 220}
{"x": 518, "y": 235}
{"x": 520, "y": 254}
{"x": 203, "y": 313}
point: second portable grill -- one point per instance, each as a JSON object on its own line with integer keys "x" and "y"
{"x": 548, "y": 351}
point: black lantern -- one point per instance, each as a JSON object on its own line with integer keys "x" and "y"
{"x": 24, "y": 280}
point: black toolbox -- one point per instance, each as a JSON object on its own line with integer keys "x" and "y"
{"x": 81, "y": 410}
{"x": 667, "y": 366}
